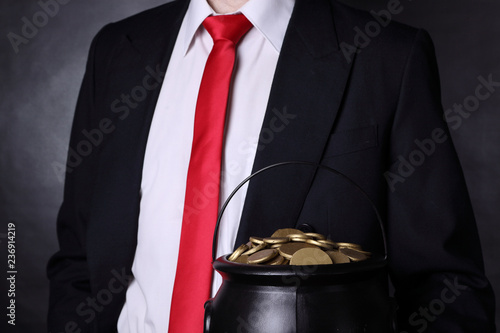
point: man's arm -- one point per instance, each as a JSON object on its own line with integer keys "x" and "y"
{"x": 434, "y": 249}
{"x": 67, "y": 270}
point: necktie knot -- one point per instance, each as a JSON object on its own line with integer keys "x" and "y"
{"x": 227, "y": 27}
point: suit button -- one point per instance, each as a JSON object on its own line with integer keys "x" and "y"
{"x": 305, "y": 228}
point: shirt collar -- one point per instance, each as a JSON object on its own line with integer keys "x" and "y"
{"x": 270, "y": 17}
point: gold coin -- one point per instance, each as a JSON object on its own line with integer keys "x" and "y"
{"x": 328, "y": 242}
{"x": 256, "y": 240}
{"x": 254, "y": 249}
{"x": 349, "y": 245}
{"x": 284, "y": 244}
{"x": 353, "y": 254}
{"x": 299, "y": 238}
{"x": 298, "y": 235}
{"x": 310, "y": 256}
{"x": 278, "y": 260}
{"x": 287, "y": 250}
{"x": 238, "y": 252}
{"x": 369, "y": 254}
{"x": 285, "y": 232}
{"x": 338, "y": 258}
{"x": 262, "y": 256}
{"x": 243, "y": 259}
{"x": 276, "y": 240}
{"x": 319, "y": 244}
{"x": 315, "y": 235}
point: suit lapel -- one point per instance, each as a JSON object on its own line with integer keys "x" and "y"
{"x": 143, "y": 52}
{"x": 305, "y": 98}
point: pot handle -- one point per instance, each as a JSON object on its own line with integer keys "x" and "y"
{"x": 318, "y": 166}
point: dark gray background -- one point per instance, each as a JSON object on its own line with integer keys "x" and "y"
{"x": 40, "y": 83}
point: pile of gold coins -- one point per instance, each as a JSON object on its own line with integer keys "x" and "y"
{"x": 294, "y": 247}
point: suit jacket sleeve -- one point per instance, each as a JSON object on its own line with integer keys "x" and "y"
{"x": 434, "y": 249}
{"x": 68, "y": 269}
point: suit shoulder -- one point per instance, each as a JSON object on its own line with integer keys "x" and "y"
{"x": 145, "y": 22}
{"x": 380, "y": 26}
{"x": 149, "y": 25}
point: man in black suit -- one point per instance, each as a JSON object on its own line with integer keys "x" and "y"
{"x": 370, "y": 110}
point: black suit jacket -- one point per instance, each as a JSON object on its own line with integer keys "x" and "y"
{"x": 373, "y": 114}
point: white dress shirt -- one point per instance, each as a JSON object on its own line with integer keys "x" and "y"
{"x": 166, "y": 161}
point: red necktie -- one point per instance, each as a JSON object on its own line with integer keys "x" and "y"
{"x": 193, "y": 277}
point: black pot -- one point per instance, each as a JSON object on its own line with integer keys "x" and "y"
{"x": 341, "y": 298}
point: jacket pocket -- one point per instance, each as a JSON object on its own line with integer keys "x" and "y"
{"x": 351, "y": 140}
